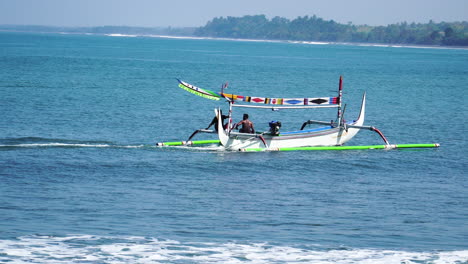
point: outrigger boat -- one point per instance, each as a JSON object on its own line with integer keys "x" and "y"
{"x": 332, "y": 133}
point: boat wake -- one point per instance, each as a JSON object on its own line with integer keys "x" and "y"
{"x": 37, "y": 142}
{"x": 108, "y": 249}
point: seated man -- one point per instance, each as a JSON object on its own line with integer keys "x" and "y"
{"x": 247, "y": 125}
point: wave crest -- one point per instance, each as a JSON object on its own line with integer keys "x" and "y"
{"x": 87, "y": 248}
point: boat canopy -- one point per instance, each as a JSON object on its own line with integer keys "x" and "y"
{"x": 317, "y": 101}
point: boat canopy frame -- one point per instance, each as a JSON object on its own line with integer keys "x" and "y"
{"x": 339, "y": 117}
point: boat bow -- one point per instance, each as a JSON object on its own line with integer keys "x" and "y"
{"x": 223, "y": 137}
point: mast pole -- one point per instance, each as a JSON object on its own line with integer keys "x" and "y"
{"x": 230, "y": 101}
{"x": 340, "y": 95}
{"x": 228, "y": 129}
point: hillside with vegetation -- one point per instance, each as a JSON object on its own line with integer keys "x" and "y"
{"x": 317, "y": 29}
{"x": 278, "y": 28}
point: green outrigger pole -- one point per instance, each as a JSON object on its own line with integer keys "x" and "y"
{"x": 185, "y": 143}
{"x": 389, "y": 146}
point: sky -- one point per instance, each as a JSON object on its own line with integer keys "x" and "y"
{"x": 185, "y": 13}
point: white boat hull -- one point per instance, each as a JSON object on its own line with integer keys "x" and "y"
{"x": 323, "y": 136}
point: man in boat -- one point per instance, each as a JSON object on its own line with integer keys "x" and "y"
{"x": 215, "y": 122}
{"x": 247, "y": 125}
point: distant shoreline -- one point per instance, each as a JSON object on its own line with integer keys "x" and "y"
{"x": 305, "y": 30}
{"x": 308, "y": 42}
{"x": 167, "y": 36}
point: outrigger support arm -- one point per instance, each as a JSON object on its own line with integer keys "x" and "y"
{"x": 333, "y": 124}
{"x": 263, "y": 140}
{"x": 372, "y": 129}
{"x": 200, "y": 130}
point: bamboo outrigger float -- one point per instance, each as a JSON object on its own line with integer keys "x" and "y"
{"x": 331, "y": 135}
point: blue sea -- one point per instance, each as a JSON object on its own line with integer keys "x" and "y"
{"x": 82, "y": 181}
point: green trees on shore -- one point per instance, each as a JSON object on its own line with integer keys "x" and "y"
{"x": 300, "y": 29}
{"x": 317, "y": 29}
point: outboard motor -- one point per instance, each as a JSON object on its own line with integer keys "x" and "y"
{"x": 274, "y": 127}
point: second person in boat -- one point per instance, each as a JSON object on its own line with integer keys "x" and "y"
{"x": 247, "y": 125}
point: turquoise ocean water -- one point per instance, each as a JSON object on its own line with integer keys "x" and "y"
{"x": 81, "y": 180}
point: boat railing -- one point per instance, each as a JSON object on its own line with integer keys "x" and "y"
{"x": 285, "y": 107}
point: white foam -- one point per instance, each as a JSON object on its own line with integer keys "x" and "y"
{"x": 299, "y": 42}
{"x": 121, "y": 35}
{"x": 63, "y": 145}
{"x": 311, "y": 42}
{"x": 82, "y": 248}
{"x": 71, "y": 145}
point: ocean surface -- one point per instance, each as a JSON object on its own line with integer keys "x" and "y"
{"x": 81, "y": 180}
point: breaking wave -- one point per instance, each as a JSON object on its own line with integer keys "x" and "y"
{"x": 104, "y": 249}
